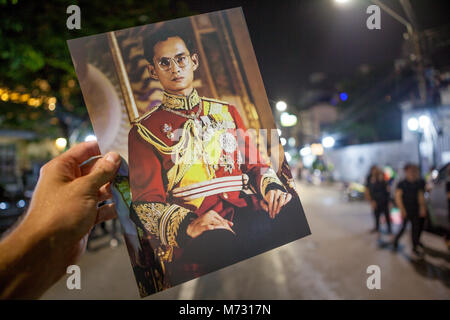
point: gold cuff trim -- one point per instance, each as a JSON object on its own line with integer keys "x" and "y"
{"x": 161, "y": 220}
{"x": 170, "y": 224}
{"x": 269, "y": 177}
{"x": 149, "y": 214}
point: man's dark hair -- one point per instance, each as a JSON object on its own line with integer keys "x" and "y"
{"x": 166, "y": 31}
{"x": 408, "y": 166}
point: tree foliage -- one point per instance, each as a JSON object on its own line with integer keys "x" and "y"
{"x": 371, "y": 112}
{"x": 34, "y": 57}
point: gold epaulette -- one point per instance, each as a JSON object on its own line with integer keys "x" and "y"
{"x": 215, "y": 100}
{"x": 145, "y": 115}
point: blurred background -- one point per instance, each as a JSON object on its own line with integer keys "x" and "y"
{"x": 344, "y": 98}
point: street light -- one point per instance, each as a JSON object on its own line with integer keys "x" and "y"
{"x": 317, "y": 149}
{"x": 413, "y": 124}
{"x": 328, "y": 142}
{"x": 305, "y": 151}
{"x": 424, "y": 121}
{"x": 288, "y": 156}
{"x": 422, "y": 126}
{"x": 90, "y": 137}
{"x": 343, "y": 96}
{"x": 61, "y": 143}
{"x": 288, "y": 120}
{"x": 291, "y": 142}
{"x": 281, "y": 106}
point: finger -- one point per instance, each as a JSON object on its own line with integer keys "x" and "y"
{"x": 289, "y": 198}
{"x": 229, "y": 228}
{"x": 86, "y": 166}
{"x": 286, "y": 199}
{"x": 270, "y": 202}
{"x": 263, "y": 205}
{"x": 106, "y": 212}
{"x": 82, "y": 152}
{"x": 222, "y": 222}
{"x": 225, "y": 221}
{"x": 278, "y": 199}
{"x": 214, "y": 214}
{"x": 215, "y": 221}
{"x": 217, "y": 218}
{"x": 103, "y": 171}
{"x": 280, "y": 202}
{"x": 274, "y": 204}
{"x": 225, "y": 227}
{"x": 105, "y": 192}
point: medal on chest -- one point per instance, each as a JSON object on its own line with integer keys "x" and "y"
{"x": 228, "y": 142}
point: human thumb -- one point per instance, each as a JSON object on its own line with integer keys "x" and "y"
{"x": 103, "y": 171}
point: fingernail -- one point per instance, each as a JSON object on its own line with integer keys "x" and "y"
{"x": 112, "y": 157}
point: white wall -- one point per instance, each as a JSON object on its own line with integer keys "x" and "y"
{"x": 352, "y": 163}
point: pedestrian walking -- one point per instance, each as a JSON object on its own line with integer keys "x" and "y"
{"x": 409, "y": 197}
{"x": 377, "y": 193}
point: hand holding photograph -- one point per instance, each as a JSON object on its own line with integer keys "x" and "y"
{"x": 203, "y": 182}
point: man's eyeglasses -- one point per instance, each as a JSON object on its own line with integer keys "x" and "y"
{"x": 180, "y": 60}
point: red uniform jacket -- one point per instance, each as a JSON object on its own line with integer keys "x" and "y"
{"x": 168, "y": 191}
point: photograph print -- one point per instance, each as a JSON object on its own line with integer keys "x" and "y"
{"x": 204, "y": 182}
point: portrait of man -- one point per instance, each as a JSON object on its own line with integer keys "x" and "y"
{"x": 199, "y": 191}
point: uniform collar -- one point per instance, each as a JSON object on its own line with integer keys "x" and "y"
{"x": 174, "y": 101}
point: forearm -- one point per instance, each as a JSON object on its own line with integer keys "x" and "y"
{"x": 367, "y": 194}
{"x": 399, "y": 202}
{"x": 422, "y": 205}
{"x": 20, "y": 276}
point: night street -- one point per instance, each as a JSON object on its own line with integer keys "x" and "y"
{"x": 195, "y": 123}
{"x": 329, "y": 264}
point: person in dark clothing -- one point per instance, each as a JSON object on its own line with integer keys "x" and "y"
{"x": 410, "y": 199}
{"x": 377, "y": 193}
{"x": 368, "y": 192}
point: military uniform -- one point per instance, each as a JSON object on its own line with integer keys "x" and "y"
{"x": 187, "y": 156}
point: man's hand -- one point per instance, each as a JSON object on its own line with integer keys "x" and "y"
{"x": 422, "y": 212}
{"x": 373, "y": 204}
{"x": 54, "y": 230}
{"x": 66, "y": 196}
{"x": 403, "y": 213}
{"x": 274, "y": 200}
{"x": 422, "y": 204}
{"x": 209, "y": 221}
